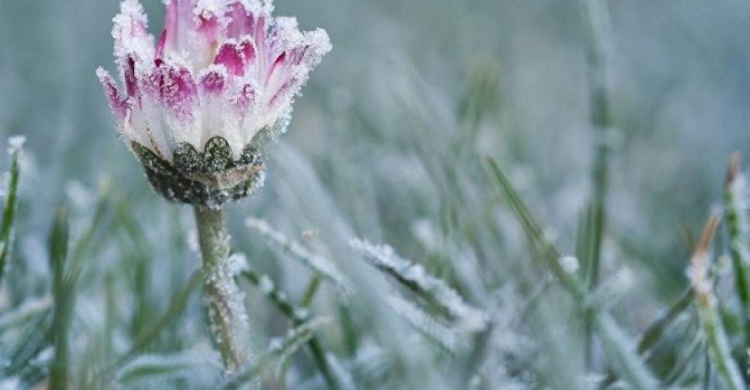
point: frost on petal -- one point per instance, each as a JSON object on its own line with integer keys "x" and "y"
{"x": 171, "y": 109}
{"x": 130, "y": 32}
{"x": 316, "y": 44}
{"x": 241, "y": 20}
{"x": 159, "y": 56}
{"x": 216, "y": 119}
{"x": 128, "y": 74}
{"x": 247, "y": 17}
{"x": 176, "y": 89}
{"x": 213, "y": 81}
{"x": 236, "y": 57}
{"x": 276, "y": 72}
{"x": 221, "y": 68}
{"x": 291, "y": 69}
{"x": 245, "y": 98}
{"x": 179, "y": 22}
{"x": 116, "y": 103}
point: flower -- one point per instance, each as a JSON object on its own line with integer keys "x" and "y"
{"x": 198, "y": 107}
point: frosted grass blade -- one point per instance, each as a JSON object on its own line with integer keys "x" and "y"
{"x": 9, "y": 212}
{"x": 719, "y": 351}
{"x": 621, "y": 355}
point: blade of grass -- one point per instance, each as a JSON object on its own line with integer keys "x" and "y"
{"x": 9, "y": 212}
{"x": 433, "y": 290}
{"x": 176, "y": 305}
{"x": 297, "y": 315}
{"x": 314, "y": 262}
{"x": 27, "y": 311}
{"x": 63, "y": 286}
{"x": 599, "y": 53}
{"x": 310, "y": 291}
{"x": 624, "y": 359}
{"x": 719, "y": 351}
{"x": 296, "y": 338}
{"x": 736, "y": 208}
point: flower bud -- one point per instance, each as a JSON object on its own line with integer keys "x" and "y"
{"x": 198, "y": 107}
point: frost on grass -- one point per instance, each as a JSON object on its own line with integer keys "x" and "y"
{"x": 279, "y": 351}
{"x": 285, "y": 347}
{"x": 237, "y": 263}
{"x": 343, "y": 376}
{"x": 425, "y": 323}
{"x": 414, "y": 276}
{"x": 161, "y": 368}
{"x": 569, "y": 264}
{"x": 314, "y": 262}
{"x": 16, "y": 143}
{"x": 28, "y": 309}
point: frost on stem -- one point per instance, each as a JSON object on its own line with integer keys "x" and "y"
{"x": 225, "y": 301}
{"x": 414, "y": 277}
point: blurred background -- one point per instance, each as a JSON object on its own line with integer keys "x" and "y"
{"x": 387, "y": 143}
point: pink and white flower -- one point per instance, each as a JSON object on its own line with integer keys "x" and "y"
{"x": 221, "y": 68}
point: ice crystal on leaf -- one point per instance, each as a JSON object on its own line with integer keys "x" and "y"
{"x": 222, "y": 73}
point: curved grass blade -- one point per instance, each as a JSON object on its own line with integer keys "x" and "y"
{"x": 297, "y": 315}
{"x": 278, "y": 353}
{"x": 176, "y": 305}
{"x": 621, "y": 355}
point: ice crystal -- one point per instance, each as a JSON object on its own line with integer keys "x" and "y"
{"x": 569, "y": 264}
{"x": 266, "y": 285}
{"x": 16, "y": 143}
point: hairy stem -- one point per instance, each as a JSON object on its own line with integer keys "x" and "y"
{"x": 227, "y": 315}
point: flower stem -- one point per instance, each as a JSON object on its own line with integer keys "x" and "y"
{"x": 226, "y": 311}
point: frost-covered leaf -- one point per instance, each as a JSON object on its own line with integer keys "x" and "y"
{"x": 153, "y": 367}
{"x": 414, "y": 277}
{"x": 28, "y": 310}
{"x": 278, "y": 352}
{"x": 7, "y": 231}
{"x": 314, "y": 262}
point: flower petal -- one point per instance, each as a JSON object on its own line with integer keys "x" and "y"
{"x": 236, "y": 57}
{"x": 131, "y": 83}
{"x": 180, "y": 22}
{"x": 118, "y": 105}
{"x": 133, "y": 43}
{"x": 245, "y": 98}
{"x": 176, "y": 89}
{"x": 213, "y": 81}
{"x": 159, "y": 56}
{"x": 241, "y": 21}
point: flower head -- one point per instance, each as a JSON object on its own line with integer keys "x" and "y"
{"x": 198, "y": 105}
